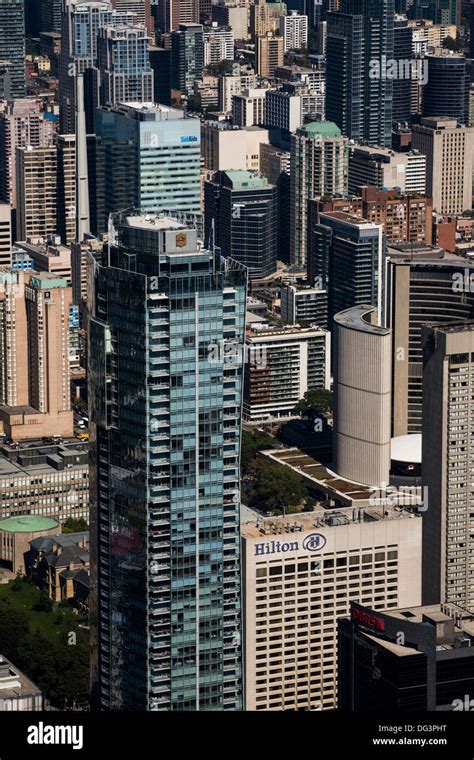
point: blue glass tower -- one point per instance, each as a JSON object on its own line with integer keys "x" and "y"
{"x": 12, "y": 43}
{"x": 165, "y": 411}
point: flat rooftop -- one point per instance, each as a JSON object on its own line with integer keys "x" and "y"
{"x": 14, "y": 683}
{"x": 154, "y": 222}
{"x": 28, "y": 524}
{"x": 464, "y": 621}
{"x": 355, "y": 319}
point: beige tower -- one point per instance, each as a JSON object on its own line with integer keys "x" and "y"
{"x": 5, "y": 235}
{"x": 66, "y": 197}
{"x": 13, "y": 339}
{"x": 269, "y": 55}
{"x": 36, "y": 191}
{"x": 362, "y": 384}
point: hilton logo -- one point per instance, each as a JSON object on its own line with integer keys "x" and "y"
{"x": 312, "y": 543}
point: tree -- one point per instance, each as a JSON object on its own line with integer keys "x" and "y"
{"x": 314, "y": 402}
{"x": 275, "y": 488}
{"x": 252, "y": 443}
{"x": 453, "y": 44}
{"x": 75, "y": 525}
{"x": 44, "y": 604}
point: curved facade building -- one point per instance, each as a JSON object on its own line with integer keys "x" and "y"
{"x": 362, "y": 385}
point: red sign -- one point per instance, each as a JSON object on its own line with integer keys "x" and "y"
{"x": 366, "y": 619}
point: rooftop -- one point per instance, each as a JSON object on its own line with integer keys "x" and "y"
{"x": 28, "y": 524}
{"x": 358, "y": 318}
{"x": 406, "y": 448}
{"x": 325, "y": 129}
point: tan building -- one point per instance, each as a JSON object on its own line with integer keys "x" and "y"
{"x": 15, "y": 535}
{"x": 224, "y": 148}
{"x": 362, "y": 396}
{"x": 269, "y": 55}
{"x": 248, "y": 108}
{"x": 36, "y": 191}
{"x": 66, "y": 190}
{"x": 449, "y": 151}
{"x": 34, "y": 353}
{"x": 5, "y": 235}
{"x": 265, "y": 18}
{"x": 299, "y": 575}
{"x": 142, "y": 10}
{"x": 448, "y": 410}
{"x": 49, "y": 257}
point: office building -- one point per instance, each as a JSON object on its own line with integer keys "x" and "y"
{"x": 265, "y": 18}
{"x": 225, "y": 147}
{"x": 5, "y": 235}
{"x": 148, "y": 157}
{"x": 294, "y": 30}
{"x": 347, "y": 255}
{"x": 300, "y": 575}
{"x": 160, "y": 62}
{"x": 21, "y": 124}
{"x": 415, "y": 659}
{"x": 419, "y": 289}
{"x": 385, "y": 168}
{"x": 170, "y": 398}
{"x": 284, "y": 363}
{"x": 362, "y": 387}
{"x": 319, "y": 164}
{"x": 46, "y": 256}
{"x": 360, "y": 97}
{"x": 248, "y": 107}
{"x": 269, "y": 55}
{"x": 46, "y": 481}
{"x": 304, "y": 305}
{"x": 66, "y": 187}
{"x": 172, "y": 13}
{"x": 50, "y": 16}
{"x": 449, "y": 151}
{"x": 240, "y": 213}
{"x": 17, "y": 692}
{"x": 234, "y": 14}
{"x": 12, "y": 43}
{"x": 141, "y": 10}
{"x": 446, "y": 92}
{"x": 448, "y": 380}
{"x": 291, "y": 106}
{"x": 403, "y": 54}
{"x": 187, "y": 57}
{"x": 405, "y": 218}
{"x": 218, "y": 44}
{"x": 124, "y": 65}
{"x": 275, "y": 166}
{"x": 34, "y": 351}
{"x": 36, "y": 191}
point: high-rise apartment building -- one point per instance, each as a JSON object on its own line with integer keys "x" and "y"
{"x": 165, "y": 432}
{"x": 448, "y": 406}
{"x": 225, "y": 147}
{"x": 269, "y": 55}
{"x": 66, "y": 187}
{"x": 240, "y": 213}
{"x": 34, "y": 353}
{"x": 50, "y": 15}
{"x": 36, "y": 191}
{"x": 12, "y": 43}
{"x": 248, "y": 107}
{"x": 300, "y": 575}
{"x": 292, "y": 105}
{"x": 294, "y": 30}
{"x": 449, "y": 151}
{"x": 187, "y": 57}
{"x": 319, "y": 161}
{"x": 265, "y": 18}
{"x": 235, "y": 14}
{"x": 402, "y": 51}
{"x": 446, "y": 92}
{"x": 148, "y": 157}
{"x": 359, "y": 96}
{"x": 5, "y": 235}
{"x": 362, "y": 390}
{"x": 304, "y": 305}
{"x": 124, "y": 65}
{"x": 283, "y": 364}
{"x": 419, "y": 289}
{"x": 172, "y": 13}
{"x": 218, "y": 44}
{"x": 141, "y": 10}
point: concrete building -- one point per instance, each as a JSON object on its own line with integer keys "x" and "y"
{"x": 419, "y": 289}
{"x": 34, "y": 348}
{"x": 187, "y": 57}
{"x": 66, "y": 187}
{"x": 218, "y": 44}
{"x": 123, "y": 62}
{"x": 248, "y": 107}
{"x": 172, "y": 13}
{"x": 300, "y": 575}
{"x": 15, "y": 536}
{"x": 234, "y": 84}
{"x": 319, "y": 166}
{"x": 12, "y": 43}
{"x": 284, "y": 363}
{"x": 304, "y": 305}
{"x": 294, "y": 30}
{"x": 362, "y": 388}
{"x": 407, "y": 660}
{"x": 265, "y": 18}
{"x": 448, "y": 405}
{"x": 47, "y": 256}
{"x": 449, "y": 150}
{"x": 234, "y": 14}
{"x": 225, "y": 147}
{"x": 446, "y": 92}
{"x": 46, "y": 480}
{"x": 5, "y": 235}
{"x": 384, "y": 168}
{"x": 36, "y": 192}
{"x": 269, "y": 55}
{"x": 141, "y": 10}
{"x": 290, "y": 106}
{"x": 17, "y": 692}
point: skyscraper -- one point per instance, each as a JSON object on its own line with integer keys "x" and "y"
{"x": 36, "y": 192}
{"x": 124, "y": 65}
{"x": 319, "y": 166}
{"x": 241, "y": 213}
{"x": 12, "y": 43}
{"x": 141, "y": 10}
{"x": 50, "y": 15}
{"x": 148, "y": 157}
{"x": 165, "y": 433}
{"x": 269, "y": 54}
{"x": 448, "y": 384}
{"x": 446, "y": 92}
{"x": 359, "y": 97}
{"x": 187, "y": 57}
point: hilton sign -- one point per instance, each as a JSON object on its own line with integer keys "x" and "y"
{"x": 313, "y": 542}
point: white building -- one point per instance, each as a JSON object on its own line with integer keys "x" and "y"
{"x": 218, "y": 44}
{"x": 299, "y": 575}
{"x": 294, "y": 30}
{"x": 17, "y": 692}
{"x": 287, "y": 108}
{"x": 248, "y": 108}
{"x": 225, "y": 148}
{"x": 385, "y": 168}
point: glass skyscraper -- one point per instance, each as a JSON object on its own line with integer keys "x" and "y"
{"x": 357, "y": 100}
{"x": 165, "y": 411}
{"x": 12, "y": 44}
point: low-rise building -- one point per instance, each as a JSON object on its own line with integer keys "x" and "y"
{"x": 56, "y": 562}
{"x": 15, "y": 536}
{"x": 17, "y": 692}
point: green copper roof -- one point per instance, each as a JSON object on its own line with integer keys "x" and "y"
{"x": 242, "y": 180}
{"x": 28, "y": 524}
{"x": 322, "y": 128}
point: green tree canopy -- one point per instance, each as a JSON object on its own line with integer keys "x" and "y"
{"x": 275, "y": 488}
{"x": 75, "y": 525}
{"x": 314, "y": 402}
